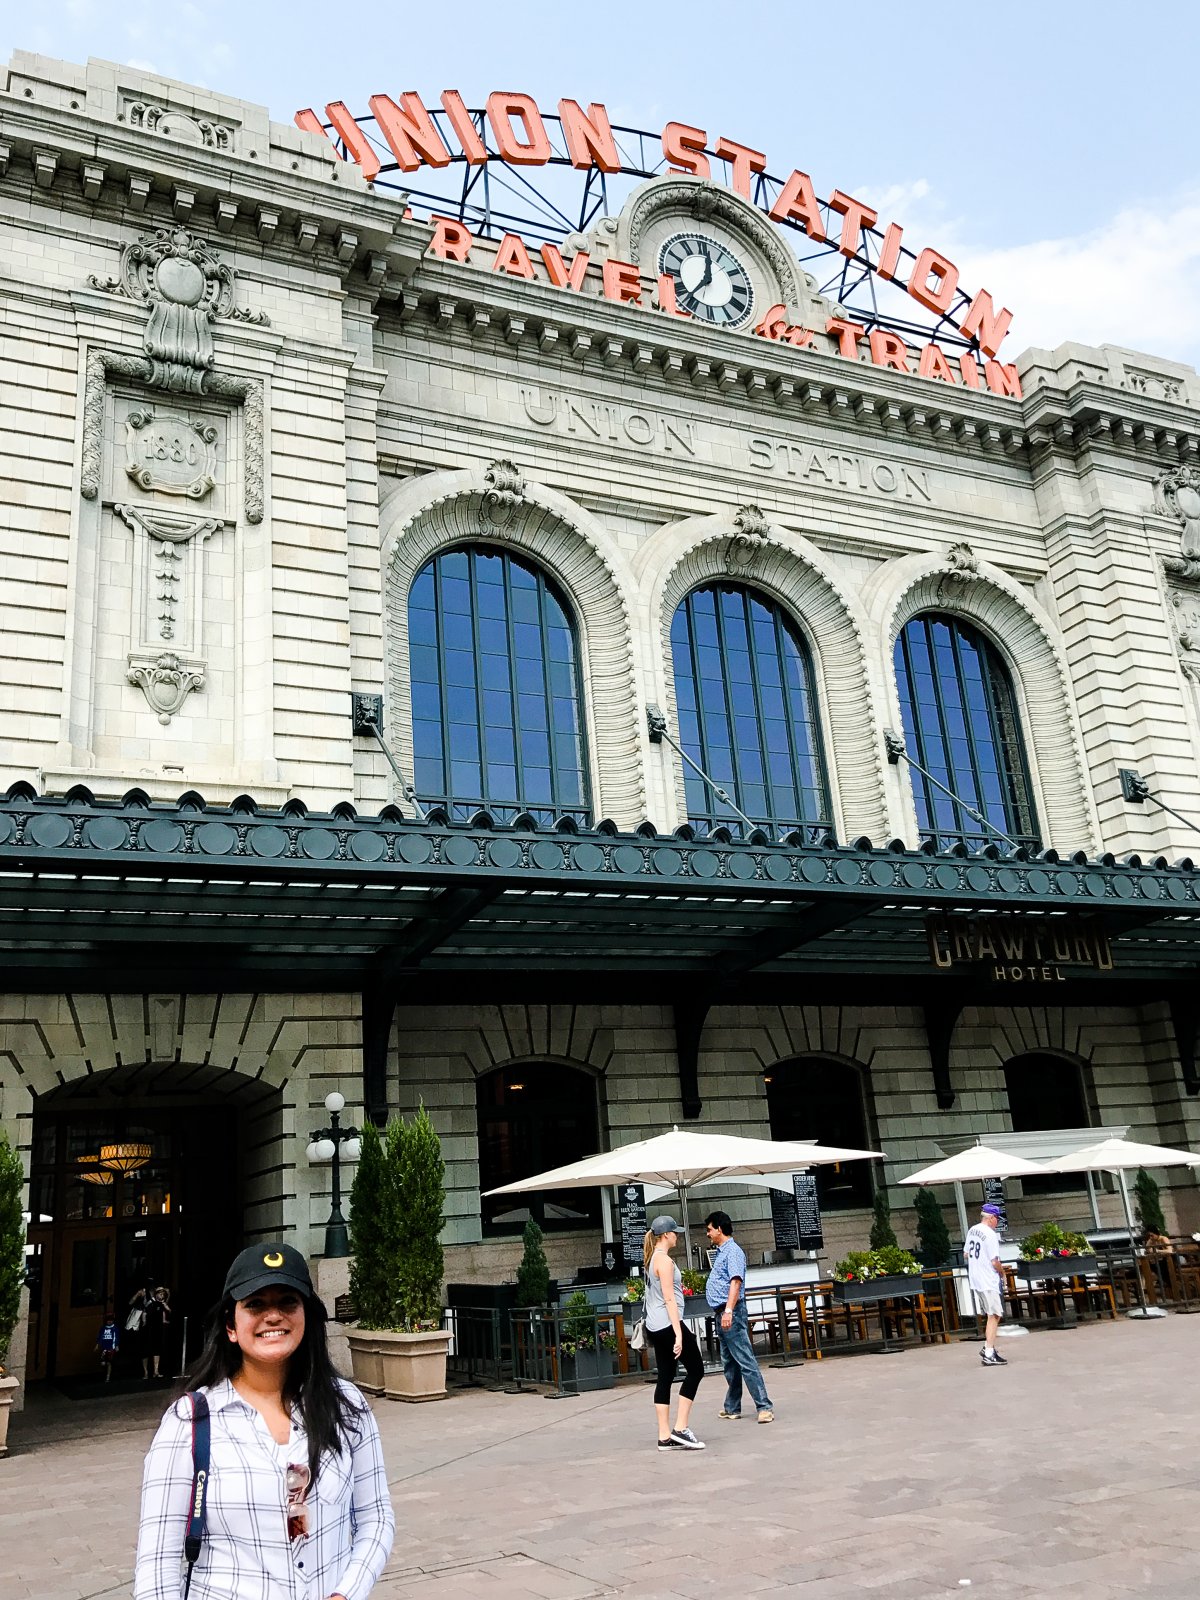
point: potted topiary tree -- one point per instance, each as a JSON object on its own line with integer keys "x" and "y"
{"x": 533, "y": 1275}
{"x": 1149, "y": 1206}
{"x": 12, "y": 1270}
{"x": 882, "y": 1232}
{"x": 397, "y": 1215}
{"x": 933, "y": 1236}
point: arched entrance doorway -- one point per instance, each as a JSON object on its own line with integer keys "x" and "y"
{"x": 138, "y": 1174}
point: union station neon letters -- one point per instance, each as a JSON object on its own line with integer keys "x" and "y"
{"x": 520, "y": 138}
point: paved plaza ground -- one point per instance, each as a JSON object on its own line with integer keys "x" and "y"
{"x": 1074, "y": 1472}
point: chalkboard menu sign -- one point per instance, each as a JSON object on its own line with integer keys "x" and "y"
{"x": 808, "y": 1212}
{"x": 993, "y": 1194}
{"x": 784, "y": 1220}
{"x": 632, "y": 1198}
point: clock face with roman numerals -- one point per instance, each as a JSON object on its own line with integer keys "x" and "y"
{"x": 711, "y": 284}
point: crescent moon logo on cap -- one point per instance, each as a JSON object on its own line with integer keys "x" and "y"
{"x": 273, "y": 1258}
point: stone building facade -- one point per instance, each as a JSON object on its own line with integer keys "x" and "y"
{"x": 245, "y": 406}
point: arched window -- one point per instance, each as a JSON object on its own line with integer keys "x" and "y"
{"x": 496, "y": 695}
{"x": 532, "y": 1117}
{"x": 813, "y": 1097}
{"x": 748, "y": 712}
{"x": 1046, "y": 1091}
{"x": 961, "y": 724}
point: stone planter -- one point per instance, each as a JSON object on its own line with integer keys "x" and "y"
{"x": 8, "y": 1389}
{"x": 366, "y": 1360}
{"x": 889, "y": 1288}
{"x": 1057, "y": 1267}
{"x": 414, "y": 1364}
{"x": 587, "y": 1370}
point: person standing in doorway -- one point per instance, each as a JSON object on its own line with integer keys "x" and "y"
{"x": 986, "y": 1277}
{"x": 726, "y": 1294}
{"x": 671, "y": 1339}
{"x": 154, "y": 1303}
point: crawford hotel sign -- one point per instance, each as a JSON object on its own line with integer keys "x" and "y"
{"x": 470, "y": 171}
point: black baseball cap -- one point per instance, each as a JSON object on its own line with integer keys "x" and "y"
{"x": 261, "y": 1265}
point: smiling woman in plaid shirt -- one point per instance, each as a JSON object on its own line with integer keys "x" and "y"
{"x": 298, "y": 1503}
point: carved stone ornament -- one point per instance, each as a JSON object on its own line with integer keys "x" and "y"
{"x": 167, "y": 625}
{"x": 505, "y": 492}
{"x": 179, "y": 277}
{"x": 1187, "y": 634}
{"x": 177, "y": 125}
{"x": 1177, "y": 494}
{"x": 962, "y": 564}
{"x": 170, "y": 453}
{"x": 101, "y": 364}
{"x": 166, "y": 681}
{"x": 753, "y": 536}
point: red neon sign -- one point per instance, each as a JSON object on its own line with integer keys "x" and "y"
{"x": 520, "y": 139}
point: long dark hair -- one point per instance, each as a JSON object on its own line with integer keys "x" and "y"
{"x": 330, "y": 1414}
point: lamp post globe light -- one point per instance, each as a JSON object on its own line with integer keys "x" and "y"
{"x": 335, "y": 1144}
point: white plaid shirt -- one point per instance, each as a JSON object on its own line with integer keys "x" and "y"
{"x": 246, "y": 1554}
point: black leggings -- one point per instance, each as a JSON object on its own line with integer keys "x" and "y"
{"x": 663, "y": 1340}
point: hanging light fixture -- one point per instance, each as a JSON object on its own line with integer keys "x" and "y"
{"x": 91, "y": 1171}
{"x": 125, "y": 1158}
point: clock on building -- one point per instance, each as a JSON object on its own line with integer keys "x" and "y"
{"x": 711, "y": 284}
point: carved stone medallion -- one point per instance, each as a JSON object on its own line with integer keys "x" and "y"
{"x": 169, "y": 452}
{"x": 1177, "y": 494}
{"x": 753, "y": 535}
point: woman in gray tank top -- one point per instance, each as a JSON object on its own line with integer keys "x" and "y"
{"x": 671, "y": 1338}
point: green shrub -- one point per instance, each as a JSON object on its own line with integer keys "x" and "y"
{"x": 533, "y": 1275}
{"x": 882, "y": 1232}
{"x": 1149, "y": 1206}
{"x": 12, "y": 1241}
{"x": 373, "y": 1235}
{"x": 396, "y": 1205}
{"x": 933, "y": 1236}
{"x": 420, "y": 1196}
{"x": 693, "y": 1281}
{"x": 635, "y": 1288}
{"x": 580, "y": 1329}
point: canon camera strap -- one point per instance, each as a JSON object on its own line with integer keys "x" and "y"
{"x": 195, "y": 1522}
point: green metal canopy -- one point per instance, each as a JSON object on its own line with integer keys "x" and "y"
{"x": 134, "y": 894}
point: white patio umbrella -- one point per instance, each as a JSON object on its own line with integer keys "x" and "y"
{"x": 1120, "y": 1156}
{"x": 973, "y": 1165}
{"x": 680, "y": 1160}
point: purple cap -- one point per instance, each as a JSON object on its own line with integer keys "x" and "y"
{"x": 990, "y": 1210}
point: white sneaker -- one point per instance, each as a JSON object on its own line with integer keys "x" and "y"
{"x": 687, "y": 1439}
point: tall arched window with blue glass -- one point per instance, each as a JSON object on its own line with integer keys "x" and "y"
{"x": 748, "y": 714}
{"x": 497, "y": 698}
{"x": 961, "y": 724}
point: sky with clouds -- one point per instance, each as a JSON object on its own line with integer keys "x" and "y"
{"x": 1050, "y": 149}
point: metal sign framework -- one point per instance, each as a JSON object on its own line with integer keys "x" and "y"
{"x": 492, "y": 198}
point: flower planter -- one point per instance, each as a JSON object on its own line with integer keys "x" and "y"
{"x": 1057, "y": 1267}
{"x": 8, "y": 1389}
{"x": 889, "y": 1288}
{"x": 587, "y": 1370}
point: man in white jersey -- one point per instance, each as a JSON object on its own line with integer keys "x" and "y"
{"x": 985, "y": 1275}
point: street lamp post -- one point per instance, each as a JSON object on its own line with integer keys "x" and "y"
{"x": 327, "y": 1145}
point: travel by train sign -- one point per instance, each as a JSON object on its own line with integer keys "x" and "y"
{"x": 455, "y": 149}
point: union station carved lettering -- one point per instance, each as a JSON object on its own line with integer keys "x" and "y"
{"x": 840, "y": 469}
{"x": 1018, "y": 951}
{"x": 615, "y": 424}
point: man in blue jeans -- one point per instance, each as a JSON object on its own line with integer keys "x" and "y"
{"x": 725, "y": 1294}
